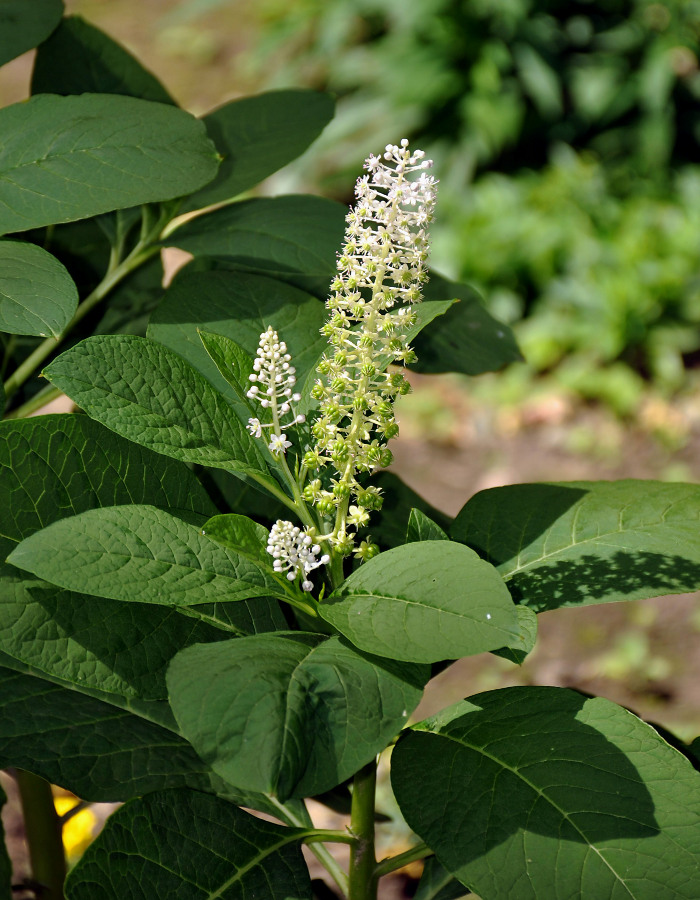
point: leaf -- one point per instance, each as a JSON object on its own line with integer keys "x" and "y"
{"x": 94, "y": 749}
{"x": 389, "y": 524}
{"x": 258, "y": 135}
{"x": 37, "y": 295}
{"x": 466, "y": 338}
{"x": 5, "y": 864}
{"x": 533, "y": 792}
{"x": 233, "y": 363}
{"x": 437, "y": 883}
{"x": 587, "y": 542}
{"x": 188, "y": 844}
{"x": 423, "y": 602}
{"x": 238, "y": 306}
{"x": 23, "y": 25}
{"x": 520, "y": 648}
{"x": 144, "y": 554}
{"x": 293, "y": 714}
{"x": 293, "y": 238}
{"x": 150, "y": 395}
{"x": 78, "y": 58}
{"x": 422, "y": 528}
{"x": 239, "y": 533}
{"x": 66, "y": 158}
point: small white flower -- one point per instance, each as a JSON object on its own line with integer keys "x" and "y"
{"x": 254, "y": 427}
{"x": 279, "y": 443}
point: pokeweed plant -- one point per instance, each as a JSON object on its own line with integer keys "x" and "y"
{"x": 215, "y": 603}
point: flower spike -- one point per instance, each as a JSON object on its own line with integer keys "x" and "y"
{"x": 294, "y": 552}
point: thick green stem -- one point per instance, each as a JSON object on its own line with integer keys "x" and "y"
{"x": 363, "y": 882}
{"x": 42, "y": 827}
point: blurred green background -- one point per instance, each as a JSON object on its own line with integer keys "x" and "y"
{"x": 566, "y": 136}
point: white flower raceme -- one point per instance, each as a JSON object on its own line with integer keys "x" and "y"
{"x": 294, "y": 552}
{"x": 380, "y": 273}
{"x": 273, "y": 386}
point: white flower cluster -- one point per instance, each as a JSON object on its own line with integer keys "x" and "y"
{"x": 273, "y": 386}
{"x": 294, "y": 552}
{"x": 380, "y": 273}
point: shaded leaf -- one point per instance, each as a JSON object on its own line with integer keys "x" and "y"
{"x": 150, "y": 395}
{"x": 437, "y": 883}
{"x": 233, "y": 363}
{"x": 533, "y": 792}
{"x": 587, "y": 542}
{"x": 422, "y": 528}
{"x": 258, "y": 135}
{"x": 424, "y": 602}
{"x": 37, "y": 295}
{"x": 144, "y": 554}
{"x": 519, "y": 649}
{"x": 23, "y": 25}
{"x": 290, "y": 714}
{"x": 188, "y": 844}
{"x": 78, "y": 58}
{"x": 5, "y": 864}
{"x": 389, "y": 524}
{"x": 66, "y": 158}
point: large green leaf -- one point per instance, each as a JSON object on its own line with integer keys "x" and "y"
{"x": 144, "y": 554}
{"x": 258, "y": 135}
{"x": 96, "y": 750}
{"x": 190, "y": 845}
{"x": 587, "y": 542}
{"x": 534, "y": 792}
{"x": 66, "y": 158}
{"x": 467, "y": 338}
{"x": 293, "y": 238}
{"x": 23, "y": 25}
{"x": 150, "y": 395}
{"x": 37, "y": 295}
{"x": 239, "y": 306}
{"x": 292, "y": 714}
{"x": 424, "y": 602}
{"x": 5, "y": 864}
{"x": 78, "y": 58}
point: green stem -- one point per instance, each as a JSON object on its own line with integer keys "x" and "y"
{"x": 42, "y": 827}
{"x": 115, "y": 273}
{"x": 420, "y": 851}
{"x": 362, "y": 881}
{"x": 320, "y": 851}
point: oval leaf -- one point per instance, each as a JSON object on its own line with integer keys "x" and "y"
{"x": 212, "y": 850}
{"x": 67, "y": 158}
{"x": 150, "y": 395}
{"x": 78, "y": 58}
{"x": 37, "y": 295}
{"x": 23, "y": 25}
{"x": 424, "y": 602}
{"x": 145, "y": 554}
{"x": 291, "y": 715}
{"x": 587, "y": 542}
{"x": 256, "y": 136}
{"x": 533, "y": 792}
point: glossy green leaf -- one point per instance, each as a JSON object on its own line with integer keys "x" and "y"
{"x": 424, "y": 602}
{"x": 23, "y": 25}
{"x": 293, "y": 238}
{"x": 290, "y": 714}
{"x": 37, "y": 295}
{"x": 190, "y": 845}
{"x": 258, "y": 135}
{"x": 238, "y": 306}
{"x": 66, "y": 158}
{"x": 437, "y": 883}
{"x": 239, "y": 533}
{"x": 422, "y": 528}
{"x": 533, "y": 792}
{"x": 150, "y": 395}
{"x": 233, "y": 363}
{"x": 5, "y": 864}
{"x": 144, "y": 554}
{"x": 467, "y": 338}
{"x": 587, "y": 542}
{"x": 524, "y": 644}
{"x": 95, "y": 749}
{"x": 78, "y": 58}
